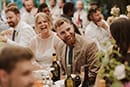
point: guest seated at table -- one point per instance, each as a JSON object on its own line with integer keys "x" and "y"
{"x": 83, "y": 51}
{"x": 45, "y": 43}
{"x": 19, "y": 32}
{"x": 16, "y": 67}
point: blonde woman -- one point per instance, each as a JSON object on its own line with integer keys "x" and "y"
{"x": 44, "y": 44}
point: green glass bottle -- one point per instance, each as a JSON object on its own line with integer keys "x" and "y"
{"x": 69, "y": 81}
{"x": 56, "y": 71}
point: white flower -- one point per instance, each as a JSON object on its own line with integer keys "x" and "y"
{"x": 115, "y": 11}
{"x": 119, "y": 72}
{"x": 128, "y": 8}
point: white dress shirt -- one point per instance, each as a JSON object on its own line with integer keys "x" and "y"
{"x": 23, "y": 34}
{"x": 28, "y": 18}
{"x": 83, "y": 17}
{"x": 55, "y": 12}
{"x": 98, "y": 34}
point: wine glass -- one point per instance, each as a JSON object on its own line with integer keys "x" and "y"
{"x": 42, "y": 73}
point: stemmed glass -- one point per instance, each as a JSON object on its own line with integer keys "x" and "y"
{"x": 47, "y": 77}
{"x": 42, "y": 73}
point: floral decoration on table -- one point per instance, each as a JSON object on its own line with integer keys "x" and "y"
{"x": 115, "y": 73}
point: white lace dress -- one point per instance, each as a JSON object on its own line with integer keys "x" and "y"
{"x": 44, "y": 48}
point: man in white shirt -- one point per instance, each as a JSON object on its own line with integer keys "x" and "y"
{"x": 97, "y": 29}
{"x": 80, "y": 16}
{"x": 23, "y": 9}
{"x": 55, "y": 11}
{"x": 21, "y": 33}
{"x": 27, "y": 16}
{"x": 61, "y": 5}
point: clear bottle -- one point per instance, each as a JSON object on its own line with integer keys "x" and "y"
{"x": 56, "y": 68}
{"x": 69, "y": 81}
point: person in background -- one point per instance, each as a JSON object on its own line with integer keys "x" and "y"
{"x": 16, "y": 67}
{"x": 44, "y": 8}
{"x": 21, "y": 33}
{"x": 4, "y": 25}
{"x": 93, "y": 4}
{"x": 98, "y": 29}
{"x": 80, "y": 15}
{"x": 27, "y": 16}
{"x": 42, "y": 1}
{"x": 83, "y": 50}
{"x": 120, "y": 31}
{"x": 61, "y": 5}
{"x": 45, "y": 43}
{"x": 34, "y": 9}
{"x": 68, "y": 11}
{"x": 54, "y": 9}
{"x": 2, "y": 14}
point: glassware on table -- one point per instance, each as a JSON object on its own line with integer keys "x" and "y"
{"x": 37, "y": 75}
{"x": 43, "y": 76}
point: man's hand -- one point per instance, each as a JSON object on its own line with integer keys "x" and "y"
{"x": 6, "y": 32}
{"x": 3, "y": 39}
{"x": 102, "y": 25}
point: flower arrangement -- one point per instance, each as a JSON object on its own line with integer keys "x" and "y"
{"x": 116, "y": 73}
{"x": 115, "y": 11}
{"x": 128, "y": 8}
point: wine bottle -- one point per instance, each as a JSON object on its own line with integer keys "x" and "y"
{"x": 86, "y": 78}
{"x": 56, "y": 68}
{"x": 69, "y": 81}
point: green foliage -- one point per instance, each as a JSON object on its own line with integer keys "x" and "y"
{"x": 109, "y": 64}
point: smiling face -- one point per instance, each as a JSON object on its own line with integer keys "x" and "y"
{"x": 66, "y": 33}
{"x": 43, "y": 23}
{"x": 12, "y": 18}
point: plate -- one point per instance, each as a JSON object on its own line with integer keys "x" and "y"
{"x": 60, "y": 83}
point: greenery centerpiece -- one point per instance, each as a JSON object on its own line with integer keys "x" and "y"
{"x": 116, "y": 73}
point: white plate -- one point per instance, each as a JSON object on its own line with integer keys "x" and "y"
{"x": 60, "y": 83}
